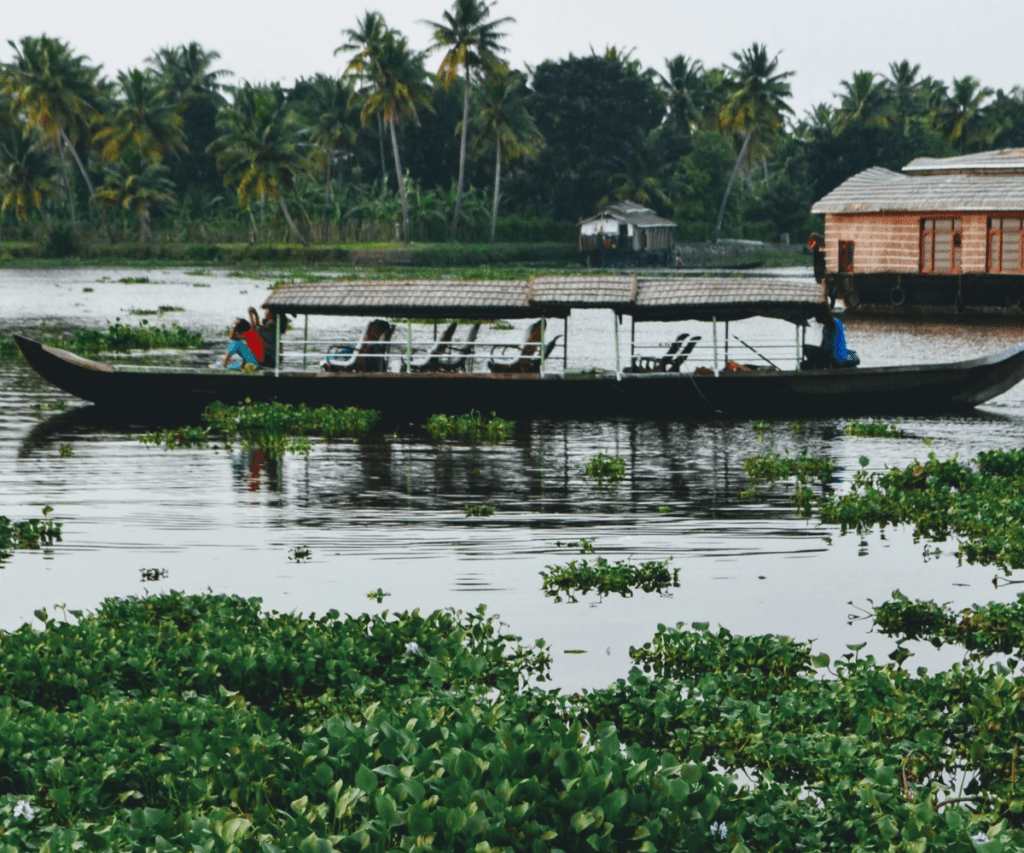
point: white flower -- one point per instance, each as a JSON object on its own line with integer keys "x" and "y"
{"x": 412, "y": 648}
{"x": 718, "y": 830}
{"x": 24, "y": 809}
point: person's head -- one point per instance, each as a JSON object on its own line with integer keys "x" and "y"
{"x": 240, "y": 328}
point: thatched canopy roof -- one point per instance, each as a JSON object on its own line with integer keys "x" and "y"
{"x": 678, "y": 298}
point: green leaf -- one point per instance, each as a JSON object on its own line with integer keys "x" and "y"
{"x": 366, "y": 779}
{"x": 581, "y": 820}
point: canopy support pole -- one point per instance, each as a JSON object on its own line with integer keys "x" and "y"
{"x": 543, "y": 343}
{"x": 565, "y": 344}
{"x": 408, "y": 346}
{"x": 305, "y": 341}
{"x": 632, "y": 340}
{"x": 714, "y": 343}
{"x": 726, "y": 344}
{"x": 615, "y": 321}
{"x": 798, "y": 350}
{"x": 277, "y": 343}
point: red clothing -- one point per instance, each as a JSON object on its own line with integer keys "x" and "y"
{"x": 255, "y": 343}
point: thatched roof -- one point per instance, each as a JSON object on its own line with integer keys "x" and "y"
{"x": 989, "y": 181}
{"x": 678, "y": 298}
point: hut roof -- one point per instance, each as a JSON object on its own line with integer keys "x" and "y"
{"x": 631, "y": 213}
{"x": 678, "y": 298}
{"x": 992, "y": 180}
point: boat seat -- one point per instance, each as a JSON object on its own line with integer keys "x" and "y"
{"x": 528, "y": 360}
{"x": 670, "y": 362}
{"x": 821, "y": 358}
{"x": 460, "y": 356}
{"x": 371, "y": 356}
{"x": 432, "y": 360}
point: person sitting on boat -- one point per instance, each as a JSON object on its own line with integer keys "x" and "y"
{"x": 267, "y": 329}
{"x": 245, "y": 343}
{"x": 833, "y": 342}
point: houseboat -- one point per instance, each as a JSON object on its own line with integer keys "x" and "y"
{"x": 944, "y": 235}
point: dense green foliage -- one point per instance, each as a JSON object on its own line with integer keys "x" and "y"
{"x": 873, "y": 429}
{"x": 621, "y": 578}
{"x": 472, "y": 428}
{"x": 605, "y": 469}
{"x": 279, "y": 427}
{"x": 200, "y": 722}
{"x": 30, "y": 533}
{"x": 172, "y": 155}
{"x": 121, "y": 337}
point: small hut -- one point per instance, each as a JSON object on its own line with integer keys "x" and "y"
{"x": 942, "y": 235}
{"x": 626, "y": 234}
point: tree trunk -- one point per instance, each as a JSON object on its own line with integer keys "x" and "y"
{"x": 728, "y": 186}
{"x": 327, "y": 200}
{"x": 497, "y": 185}
{"x": 291, "y": 223}
{"x": 401, "y": 183}
{"x": 383, "y": 159}
{"x": 462, "y": 161}
{"x": 67, "y": 186}
{"x": 88, "y": 183}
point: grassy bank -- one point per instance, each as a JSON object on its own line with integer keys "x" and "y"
{"x": 400, "y": 258}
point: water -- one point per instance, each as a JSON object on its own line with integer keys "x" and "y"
{"x": 389, "y": 513}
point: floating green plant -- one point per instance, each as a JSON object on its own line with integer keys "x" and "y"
{"x": 378, "y": 595}
{"x": 30, "y": 534}
{"x": 123, "y": 338}
{"x": 183, "y": 437}
{"x": 371, "y": 731}
{"x": 280, "y": 427}
{"x": 299, "y": 554}
{"x": 473, "y": 427}
{"x": 586, "y": 546}
{"x": 67, "y": 451}
{"x": 873, "y": 429}
{"x": 620, "y": 577}
{"x": 479, "y": 511}
{"x": 134, "y": 279}
{"x": 771, "y": 467}
{"x": 605, "y": 469}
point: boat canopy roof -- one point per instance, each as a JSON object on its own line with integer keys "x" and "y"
{"x": 653, "y": 298}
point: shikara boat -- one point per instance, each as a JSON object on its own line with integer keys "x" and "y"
{"x": 671, "y": 387}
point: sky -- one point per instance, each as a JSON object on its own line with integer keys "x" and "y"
{"x": 822, "y": 43}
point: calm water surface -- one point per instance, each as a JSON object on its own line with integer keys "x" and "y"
{"x": 389, "y": 512}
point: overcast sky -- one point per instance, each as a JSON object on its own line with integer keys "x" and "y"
{"x": 822, "y": 42}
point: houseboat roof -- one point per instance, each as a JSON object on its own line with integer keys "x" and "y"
{"x": 677, "y": 298}
{"x": 632, "y": 213}
{"x": 990, "y": 181}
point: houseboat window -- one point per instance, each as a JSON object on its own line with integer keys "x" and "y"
{"x": 940, "y": 245}
{"x": 846, "y": 256}
{"x": 1004, "y": 244}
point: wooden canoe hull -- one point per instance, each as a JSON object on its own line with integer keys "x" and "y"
{"x": 860, "y": 391}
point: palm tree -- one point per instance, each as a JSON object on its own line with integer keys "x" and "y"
{"x": 963, "y": 117}
{"x": 501, "y": 117}
{"x": 56, "y": 92}
{"x": 682, "y": 87}
{"x": 327, "y": 103}
{"x": 471, "y": 42}
{"x": 185, "y": 72}
{"x": 903, "y": 87}
{"x": 640, "y": 174}
{"x": 365, "y": 40}
{"x": 863, "y": 101}
{"x": 396, "y": 89}
{"x": 146, "y": 118}
{"x": 27, "y": 173}
{"x": 137, "y": 183}
{"x": 754, "y": 107}
{"x": 261, "y": 148}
